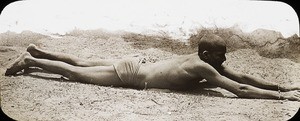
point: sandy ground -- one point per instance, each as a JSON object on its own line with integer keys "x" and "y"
{"x": 43, "y": 96}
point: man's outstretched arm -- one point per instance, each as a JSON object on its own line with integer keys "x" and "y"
{"x": 244, "y": 90}
{"x": 254, "y": 81}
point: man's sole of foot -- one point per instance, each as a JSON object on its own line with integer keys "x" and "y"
{"x": 18, "y": 65}
{"x": 32, "y": 49}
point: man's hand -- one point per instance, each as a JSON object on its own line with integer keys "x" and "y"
{"x": 295, "y": 86}
{"x": 292, "y": 87}
{"x": 291, "y": 95}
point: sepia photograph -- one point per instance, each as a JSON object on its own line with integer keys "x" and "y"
{"x": 162, "y": 60}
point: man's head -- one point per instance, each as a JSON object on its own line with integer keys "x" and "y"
{"x": 212, "y": 49}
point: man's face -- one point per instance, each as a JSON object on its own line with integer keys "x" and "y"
{"x": 216, "y": 58}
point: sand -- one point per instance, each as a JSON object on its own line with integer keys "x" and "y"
{"x": 43, "y": 96}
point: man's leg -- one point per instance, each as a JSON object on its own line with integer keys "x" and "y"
{"x": 99, "y": 75}
{"x": 67, "y": 58}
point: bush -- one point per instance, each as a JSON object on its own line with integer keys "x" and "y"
{"x": 267, "y": 43}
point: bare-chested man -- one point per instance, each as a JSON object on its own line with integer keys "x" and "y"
{"x": 180, "y": 73}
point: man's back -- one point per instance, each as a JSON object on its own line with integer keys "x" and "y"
{"x": 178, "y": 73}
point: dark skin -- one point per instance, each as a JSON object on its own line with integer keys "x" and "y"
{"x": 220, "y": 57}
{"x": 215, "y": 59}
{"x": 178, "y": 73}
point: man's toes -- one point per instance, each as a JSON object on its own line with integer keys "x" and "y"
{"x": 9, "y": 72}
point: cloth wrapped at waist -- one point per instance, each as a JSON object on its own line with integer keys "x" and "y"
{"x": 127, "y": 70}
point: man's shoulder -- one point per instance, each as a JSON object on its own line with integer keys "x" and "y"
{"x": 195, "y": 62}
{"x": 195, "y": 59}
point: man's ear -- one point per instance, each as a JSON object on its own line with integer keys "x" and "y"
{"x": 205, "y": 53}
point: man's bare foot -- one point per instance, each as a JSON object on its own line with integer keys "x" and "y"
{"x": 18, "y": 65}
{"x": 34, "y": 51}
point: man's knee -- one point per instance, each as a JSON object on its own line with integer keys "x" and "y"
{"x": 72, "y": 73}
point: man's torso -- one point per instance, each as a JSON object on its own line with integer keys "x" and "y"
{"x": 179, "y": 73}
